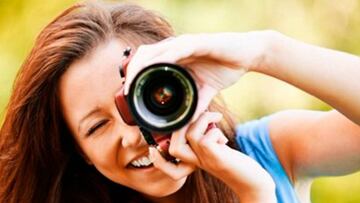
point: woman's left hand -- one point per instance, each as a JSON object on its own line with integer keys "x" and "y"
{"x": 196, "y": 145}
{"x": 215, "y": 60}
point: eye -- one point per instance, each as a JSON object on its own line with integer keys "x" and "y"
{"x": 95, "y": 127}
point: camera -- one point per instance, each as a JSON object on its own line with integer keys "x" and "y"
{"x": 162, "y": 98}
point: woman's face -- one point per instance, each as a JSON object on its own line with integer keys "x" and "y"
{"x": 87, "y": 93}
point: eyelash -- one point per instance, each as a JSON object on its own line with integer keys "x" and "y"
{"x": 95, "y": 127}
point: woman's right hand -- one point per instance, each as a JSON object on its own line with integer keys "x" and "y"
{"x": 197, "y": 145}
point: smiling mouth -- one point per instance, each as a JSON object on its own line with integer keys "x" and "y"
{"x": 142, "y": 162}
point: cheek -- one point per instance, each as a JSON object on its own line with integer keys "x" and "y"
{"x": 104, "y": 158}
{"x": 102, "y": 148}
{"x": 102, "y": 153}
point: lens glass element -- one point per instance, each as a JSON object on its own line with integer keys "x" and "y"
{"x": 163, "y": 95}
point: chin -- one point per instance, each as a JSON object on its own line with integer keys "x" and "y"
{"x": 165, "y": 190}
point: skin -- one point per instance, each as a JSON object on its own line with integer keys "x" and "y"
{"x": 308, "y": 143}
{"x": 217, "y": 61}
{"x": 94, "y": 80}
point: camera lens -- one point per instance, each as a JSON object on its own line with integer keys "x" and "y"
{"x": 162, "y": 98}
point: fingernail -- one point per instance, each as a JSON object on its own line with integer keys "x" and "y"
{"x": 210, "y": 126}
{"x": 152, "y": 154}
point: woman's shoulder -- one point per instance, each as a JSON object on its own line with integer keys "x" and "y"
{"x": 253, "y": 136}
{"x": 253, "y": 139}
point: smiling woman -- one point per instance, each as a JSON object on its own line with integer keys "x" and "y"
{"x": 64, "y": 139}
{"x": 96, "y": 76}
{"x": 62, "y": 127}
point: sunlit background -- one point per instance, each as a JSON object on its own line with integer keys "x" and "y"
{"x": 329, "y": 23}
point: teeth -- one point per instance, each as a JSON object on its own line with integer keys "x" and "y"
{"x": 141, "y": 162}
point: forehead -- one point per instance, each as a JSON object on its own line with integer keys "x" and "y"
{"x": 91, "y": 81}
{"x": 104, "y": 60}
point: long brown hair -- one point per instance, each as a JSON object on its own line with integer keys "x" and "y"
{"x": 39, "y": 161}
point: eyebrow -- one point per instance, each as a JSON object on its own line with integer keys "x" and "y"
{"x": 89, "y": 114}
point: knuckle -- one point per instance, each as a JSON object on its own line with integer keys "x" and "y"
{"x": 214, "y": 131}
{"x": 203, "y": 142}
{"x": 207, "y": 113}
{"x": 190, "y": 137}
{"x": 204, "y": 118}
{"x": 174, "y": 150}
{"x": 210, "y": 114}
{"x": 142, "y": 48}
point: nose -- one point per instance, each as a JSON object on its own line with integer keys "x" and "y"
{"x": 131, "y": 137}
{"x": 130, "y": 134}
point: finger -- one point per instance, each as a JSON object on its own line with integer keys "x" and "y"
{"x": 206, "y": 94}
{"x": 175, "y": 171}
{"x": 198, "y": 128}
{"x": 178, "y": 137}
{"x": 167, "y": 39}
{"x": 179, "y": 147}
{"x": 223, "y": 139}
{"x": 134, "y": 66}
{"x": 167, "y": 51}
{"x": 173, "y": 54}
{"x": 140, "y": 60}
{"x": 183, "y": 49}
{"x": 213, "y": 137}
{"x": 209, "y": 149}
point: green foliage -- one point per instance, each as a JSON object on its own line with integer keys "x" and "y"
{"x": 327, "y": 23}
{"x": 337, "y": 190}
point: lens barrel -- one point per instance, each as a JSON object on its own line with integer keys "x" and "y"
{"x": 162, "y": 98}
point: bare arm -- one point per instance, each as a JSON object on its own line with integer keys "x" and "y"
{"x": 330, "y": 75}
{"x": 314, "y": 143}
{"x": 307, "y": 143}
{"x": 311, "y": 143}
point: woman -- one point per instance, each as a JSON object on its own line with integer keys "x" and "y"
{"x": 53, "y": 150}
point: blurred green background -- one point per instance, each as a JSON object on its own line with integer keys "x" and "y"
{"x": 329, "y": 23}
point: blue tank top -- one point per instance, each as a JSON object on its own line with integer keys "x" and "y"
{"x": 254, "y": 140}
